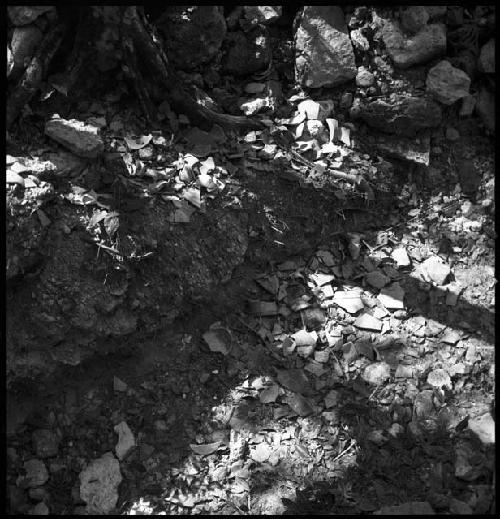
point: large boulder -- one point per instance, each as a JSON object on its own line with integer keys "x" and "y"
{"x": 446, "y": 83}
{"x": 324, "y": 54}
{"x": 400, "y": 115}
{"x": 247, "y": 52}
{"x": 487, "y": 57}
{"x": 193, "y": 34}
{"x": 405, "y": 50}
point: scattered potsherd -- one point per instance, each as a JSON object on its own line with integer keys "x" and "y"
{"x": 400, "y": 256}
{"x": 368, "y": 322}
{"x": 349, "y": 300}
{"x": 392, "y": 297}
{"x": 126, "y": 440}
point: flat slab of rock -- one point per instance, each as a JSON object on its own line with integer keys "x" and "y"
{"x": 392, "y": 297}
{"x": 433, "y": 269}
{"x": 446, "y": 83}
{"x": 376, "y": 373}
{"x": 323, "y": 51}
{"x": 368, "y": 322}
{"x": 400, "y": 115}
{"x": 406, "y": 51}
{"x": 80, "y": 138}
{"x": 406, "y": 148}
{"x": 99, "y": 484}
{"x": 376, "y": 279}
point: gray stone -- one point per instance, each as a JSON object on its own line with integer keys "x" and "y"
{"x": 484, "y": 427}
{"x": 433, "y": 269}
{"x": 359, "y": 41}
{"x": 446, "y": 83}
{"x": 40, "y": 509}
{"x": 45, "y": 443}
{"x": 323, "y": 51}
{"x": 439, "y": 378}
{"x": 376, "y": 279}
{"x": 368, "y": 322}
{"x": 413, "y": 18}
{"x": 452, "y": 134}
{"x": 82, "y": 139}
{"x": 376, "y": 373}
{"x": 487, "y": 57}
{"x": 401, "y": 115}
{"x": 392, "y": 297}
{"x": 435, "y": 11}
{"x": 99, "y": 484}
{"x": 467, "y": 106}
{"x": 36, "y": 474}
{"x": 406, "y": 51}
{"x": 25, "y": 41}
{"x": 346, "y": 100}
{"x": 247, "y": 52}
{"x": 264, "y": 14}
{"x": 25, "y": 14}
{"x": 406, "y": 148}
{"x": 485, "y": 108}
{"x": 364, "y": 78}
{"x": 193, "y": 34}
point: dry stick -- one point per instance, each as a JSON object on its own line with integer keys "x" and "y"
{"x": 149, "y": 46}
{"x": 34, "y": 74}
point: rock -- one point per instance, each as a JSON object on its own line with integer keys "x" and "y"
{"x": 446, "y": 83}
{"x": 261, "y": 452}
{"x": 484, "y": 427}
{"x": 323, "y": 51}
{"x": 452, "y": 134}
{"x": 45, "y": 443}
{"x": 410, "y": 508}
{"x": 423, "y": 405}
{"x": 406, "y": 148}
{"x": 376, "y": 373}
{"x": 36, "y": 474}
{"x": 247, "y": 53}
{"x": 439, "y": 378}
{"x": 413, "y": 18}
{"x": 469, "y": 462}
{"x": 485, "y": 108}
{"x": 315, "y": 110}
{"x": 403, "y": 115}
{"x": 433, "y": 269}
{"x": 349, "y": 300}
{"x": 24, "y": 43}
{"x": 25, "y": 14}
{"x": 486, "y": 62}
{"x": 450, "y": 337}
{"x": 99, "y": 484}
{"x": 376, "y": 279}
{"x": 295, "y": 380}
{"x": 40, "y": 509}
{"x": 126, "y": 440}
{"x": 406, "y": 51}
{"x": 364, "y": 78}
{"x": 469, "y": 176}
{"x": 193, "y": 34}
{"x": 17, "y": 498}
{"x": 299, "y": 404}
{"x": 458, "y": 507}
{"x": 264, "y": 14}
{"x": 83, "y": 140}
{"x": 392, "y": 297}
{"x": 435, "y": 11}
{"x": 368, "y": 322}
{"x": 359, "y": 41}
{"x": 10, "y": 61}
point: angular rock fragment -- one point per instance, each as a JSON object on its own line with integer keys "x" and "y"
{"x": 484, "y": 427}
{"x": 45, "y": 443}
{"x": 126, "y": 440}
{"x": 99, "y": 484}
{"x": 434, "y": 270}
{"x": 83, "y": 140}
{"x": 324, "y": 54}
{"x": 264, "y": 14}
{"x": 413, "y": 18}
{"x": 368, "y": 322}
{"x": 376, "y": 279}
{"x": 446, "y": 83}
{"x": 427, "y": 43}
{"x": 36, "y": 474}
{"x": 392, "y": 297}
{"x": 439, "y": 378}
{"x": 24, "y": 14}
{"x": 349, "y": 300}
{"x": 376, "y": 373}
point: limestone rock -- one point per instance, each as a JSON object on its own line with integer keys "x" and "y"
{"x": 126, "y": 440}
{"x": 324, "y": 54}
{"x": 487, "y": 57}
{"x": 368, "y": 322}
{"x": 26, "y": 14}
{"x": 364, "y": 78}
{"x": 401, "y": 115}
{"x": 376, "y": 373}
{"x": 193, "y": 34}
{"x": 406, "y": 51}
{"x": 413, "y": 18}
{"x": 247, "y": 53}
{"x": 359, "y": 41}
{"x": 264, "y": 14}
{"x": 82, "y": 139}
{"x": 99, "y": 484}
{"x": 392, "y": 297}
{"x": 376, "y": 279}
{"x": 433, "y": 269}
{"x": 446, "y": 83}
{"x": 36, "y": 474}
{"x": 484, "y": 427}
